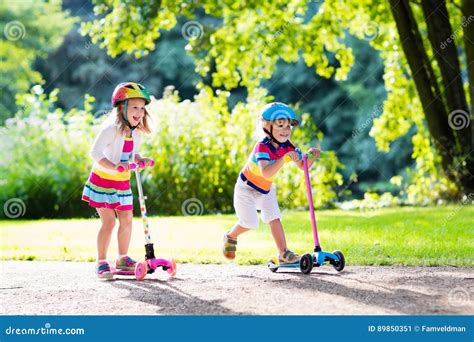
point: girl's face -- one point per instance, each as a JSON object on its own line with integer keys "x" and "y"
{"x": 135, "y": 111}
{"x": 282, "y": 130}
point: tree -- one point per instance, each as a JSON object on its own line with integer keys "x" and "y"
{"x": 31, "y": 29}
{"x": 439, "y": 97}
{"x": 253, "y": 36}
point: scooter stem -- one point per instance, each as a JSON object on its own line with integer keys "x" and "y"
{"x": 141, "y": 199}
{"x": 310, "y": 200}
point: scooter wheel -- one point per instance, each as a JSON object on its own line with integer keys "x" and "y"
{"x": 274, "y": 262}
{"x": 141, "y": 269}
{"x": 339, "y": 265}
{"x": 173, "y": 269}
{"x": 306, "y": 263}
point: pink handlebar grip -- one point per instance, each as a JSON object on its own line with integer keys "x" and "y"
{"x": 133, "y": 166}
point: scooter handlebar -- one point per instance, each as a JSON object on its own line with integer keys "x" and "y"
{"x": 309, "y": 155}
{"x": 133, "y": 166}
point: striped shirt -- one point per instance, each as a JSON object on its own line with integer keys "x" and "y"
{"x": 263, "y": 150}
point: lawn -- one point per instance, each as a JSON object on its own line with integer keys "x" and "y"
{"x": 396, "y": 236}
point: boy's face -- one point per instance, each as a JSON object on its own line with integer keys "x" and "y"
{"x": 282, "y": 130}
{"x": 135, "y": 111}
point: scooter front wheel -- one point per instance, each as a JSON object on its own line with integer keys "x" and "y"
{"x": 141, "y": 269}
{"x": 338, "y": 265}
{"x": 173, "y": 269}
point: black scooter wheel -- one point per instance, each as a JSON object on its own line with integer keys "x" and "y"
{"x": 306, "y": 263}
{"x": 338, "y": 265}
{"x": 271, "y": 265}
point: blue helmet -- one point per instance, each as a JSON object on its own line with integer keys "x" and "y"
{"x": 277, "y": 110}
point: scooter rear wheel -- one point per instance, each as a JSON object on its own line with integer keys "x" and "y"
{"x": 273, "y": 261}
{"x": 306, "y": 263}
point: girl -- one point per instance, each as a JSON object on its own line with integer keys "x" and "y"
{"x": 108, "y": 190}
{"x": 254, "y": 189}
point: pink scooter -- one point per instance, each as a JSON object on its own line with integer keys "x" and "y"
{"x": 151, "y": 263}
{"x": 318, "y": 258}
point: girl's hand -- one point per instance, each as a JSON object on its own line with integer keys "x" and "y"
{"x": 148, "y": 162}
{"x": 125, "y": 166}
{"x": 293, "y": 155}
{"x": 316, "y": 152}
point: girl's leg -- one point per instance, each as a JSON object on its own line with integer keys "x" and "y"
{"x": 125, "y": 230}
{"x": 107, "y": 216}
{"x": 278, "y": 235}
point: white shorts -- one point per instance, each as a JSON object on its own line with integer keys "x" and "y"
{"x": 247, "y": 200}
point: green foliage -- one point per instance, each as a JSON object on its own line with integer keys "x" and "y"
{"x": 44, "y": 155}
{"x": 244, "y": 48}
{"x": 32, "y": 29}
{"x": 199, "y": 148}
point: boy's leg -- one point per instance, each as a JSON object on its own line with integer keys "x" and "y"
{"x": 271, "y": 215}
{"x": 230, "y": 240}
{"x": 107, "y": 217}
{"x": 246, "y": 209}
{"x": 278, "y": 235}
{"x": 236, "y": 231}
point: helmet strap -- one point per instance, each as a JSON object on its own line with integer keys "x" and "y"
{"x": 272, "y": 138}
{"x": 125, "y": 107}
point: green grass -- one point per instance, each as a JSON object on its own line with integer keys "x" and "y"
{"x": 395, "y": 236}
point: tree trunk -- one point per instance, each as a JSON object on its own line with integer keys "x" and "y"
{"x": 425, "y": 82}
{"x": 444, "y": 48}
{"x": 467, "y": 9}
{"x": 442, "y": 42}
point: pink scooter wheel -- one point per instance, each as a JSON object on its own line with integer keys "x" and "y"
{"x": 141, "y": 269}
{"x": 172, "y": 270}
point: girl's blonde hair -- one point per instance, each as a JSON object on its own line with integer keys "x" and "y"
{"x": 143, "y": 126}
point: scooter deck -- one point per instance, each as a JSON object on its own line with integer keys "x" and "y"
{"x": 122, "y": 272}
{"x": 273, "y": 265}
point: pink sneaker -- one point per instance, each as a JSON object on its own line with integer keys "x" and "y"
{"x": 103, "y": 270}
{"x": 125, "y": 264}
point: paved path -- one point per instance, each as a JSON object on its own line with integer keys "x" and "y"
{"x": 70, "y": 288}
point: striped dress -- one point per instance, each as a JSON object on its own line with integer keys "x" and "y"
{"x": 104, "y": 190}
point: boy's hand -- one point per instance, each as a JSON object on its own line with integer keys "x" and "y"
{"x": 315, "y": 152}
{"x": 293, "y": 155}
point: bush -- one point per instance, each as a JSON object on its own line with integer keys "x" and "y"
{"x": 199, "y": 148}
